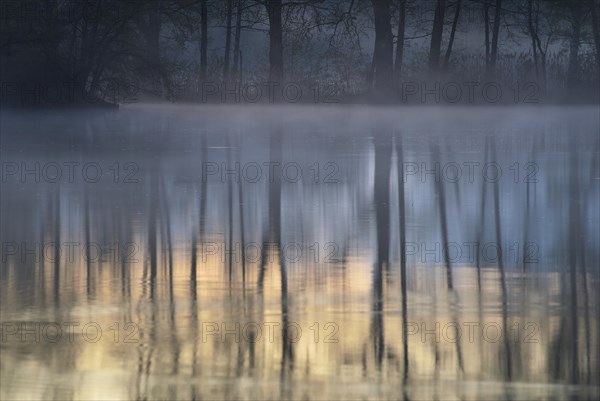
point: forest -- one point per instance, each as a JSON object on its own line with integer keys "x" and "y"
{"x": 109, "y": 52}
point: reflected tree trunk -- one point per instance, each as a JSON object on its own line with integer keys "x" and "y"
{"x": 575, "y": 238}
{"x": 402, "y": 225}
{"x": 241, "y": 213}
{"x": 441, "y": 195}
{"x": 57, "y": 225}
{"x": 501, "y": 269}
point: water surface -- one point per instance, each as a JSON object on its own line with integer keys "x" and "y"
{"x": 300, "y": 253}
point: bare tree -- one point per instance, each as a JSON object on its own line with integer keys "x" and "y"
{"x": 575, "y": 41}
{"x": 275, "y": 40}
{"x": 227, "y": 40}
{"x": 400, "y": 40}
{"x": 382, "y": 55}
{"x": 436, "y": 36}
{"x": 452, "y": 33}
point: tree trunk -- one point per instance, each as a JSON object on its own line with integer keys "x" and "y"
{"x": 153, "y": 36}
{"x": 227, "y": 40}
{"x": 573, "y": 71}
{"x": 486, "y": 26}
{"x": 539, "y": 53}
{"x": 596, "y": 30}
{"x": 275, "y": 41}
{"x": 384, "y": 46}
{"x": 400, "y": 40}
{"x": 236, "y": 46}
{"x": 533, "y": 34}
{"x": 452, "y": 33}
{"x": 494, "y": 51}
{"x": 436, "y": 36}
{"x": 203, "y": 40}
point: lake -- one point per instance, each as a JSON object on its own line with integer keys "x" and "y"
{"x": 295, "y": 252}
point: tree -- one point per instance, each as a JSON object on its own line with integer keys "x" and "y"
{"x": 275, "y": 41}
{"x": 575, "y": 40}
{"x": 491, "y": 66}
{"x": 227, "y": 40}
{"x": 595, "y": 16}
{"x": 203, "y": 40}
{"x": 400, "y": 40}
{"x": 236, "y": 69}
{"x": 384, "y": 46}
{"x": 452, "y": 33}
{"x": 436, "y": 36}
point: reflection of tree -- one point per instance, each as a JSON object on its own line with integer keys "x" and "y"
{"x": 508, "y": 365}
{"x": 402, "y": 225}
{"x": 381, "y": 197}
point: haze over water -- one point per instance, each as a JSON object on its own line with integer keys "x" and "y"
{"x": 299, "y": 252}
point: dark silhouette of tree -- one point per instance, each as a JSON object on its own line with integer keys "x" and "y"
{"x": 491, "y": 66}
{"x": 452, "y": 34}
{"x": 436, "y": 36}
{"x": 594, "y": 7}
{"x": 574, "y": 43}
{"x": 382, "y": 66}
{"x": 203, "y": 40}
{"x": 275, "y": 41}
{"x": 400, "y": 40}
{"x": 236, "y": 69}
{"x": 227, "y": 40}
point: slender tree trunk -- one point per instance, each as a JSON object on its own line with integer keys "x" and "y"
{"x": 452, "y": 33}
{"x": 384, "y": 46}
{"x": 533, "y": 34}
{"x": 400, "y": 40}
{"x": 494, "y": 50}
{"x": 203, "y": 40}
{"x": 436, "y": 36}
{"x": 573, "y": 71}
{"x": 227, "y": 41}
{"x": 235, "y": 69}
{"x": 486, "y": 27}
{"x": 595, "y": 14}
{"x": 275, "y": 41}
{"x": 150, "y": 25}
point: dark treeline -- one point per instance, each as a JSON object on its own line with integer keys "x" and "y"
{"x": 110, "y": 51}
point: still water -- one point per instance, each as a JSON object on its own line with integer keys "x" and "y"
{"x": 184, "y": 252}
